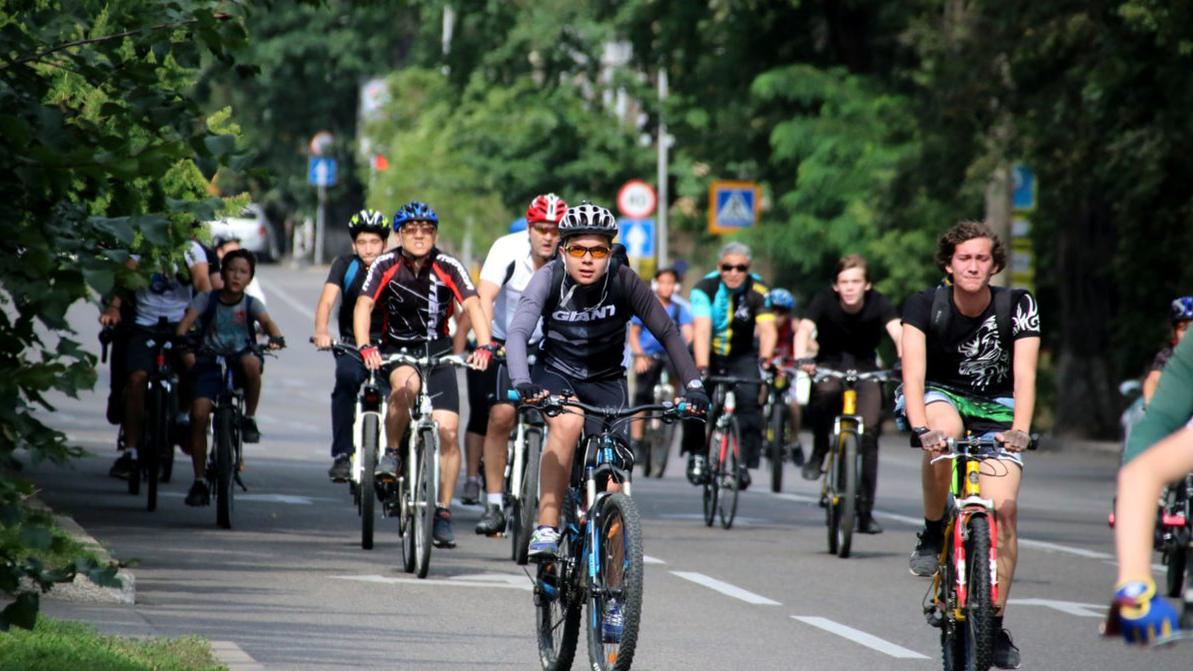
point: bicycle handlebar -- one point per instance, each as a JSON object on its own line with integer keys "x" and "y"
{"x": 970, "y": 447}
{"x": 558, "y": 403}
{"x": 731, "y": 379}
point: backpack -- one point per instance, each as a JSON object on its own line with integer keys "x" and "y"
{"x": 941, "y": 312}
{"x": 350, "y": 273}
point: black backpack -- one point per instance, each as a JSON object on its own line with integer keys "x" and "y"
{"x": 941, "y": 313}
{"x": 208, "y": 315}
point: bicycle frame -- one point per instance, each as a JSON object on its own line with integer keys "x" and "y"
{"x": 967, "y": 503}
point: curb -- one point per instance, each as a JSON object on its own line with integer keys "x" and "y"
{"x": 82, "y": 590}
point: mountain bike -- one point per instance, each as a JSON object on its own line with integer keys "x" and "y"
{"x": 840, "y": 488}
{"x": 416, "y": 490}
{"x": 600, "y": 548}
{"x": 777, "y": 416}
{"x": 522, "y": 479}
{"x": 960, "y": 601}
{"x": 723, "y": 479}
{"x": 658, "y": 435}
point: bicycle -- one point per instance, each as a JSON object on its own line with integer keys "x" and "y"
{"x": 658, "y": 435}
{"x": 722, "y": 482}
{"x": 840, "y": 488}
{"x": 960, "y": 601}
{"x": 600, "y": 546}
{"x": 415, "y": 492}
{"x": 522, "y": 479}
{"x": 778, "y": 421}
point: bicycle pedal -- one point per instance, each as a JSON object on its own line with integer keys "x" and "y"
{"x": 934, "y": 617}
{"x": 237, "y": 480}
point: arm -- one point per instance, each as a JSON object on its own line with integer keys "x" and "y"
{"x": 768, "y": 335}
{"x": 487, "y": 292}
{"x": 327, "y": 301}
{"x": 687, "y": 333}
{"x": 480, "y": 327}
{"x": 530, "y": 309}
{"x": 1026, "y": 356}
{"x": 200, "y": 278}
{"x": 644, "y": 304}
{"x": 460, "y": 337}
{"x": 270, "y": 326}
{"x": 634, "y": 337}
{"x": 895, "y": 330}
{"x": 803, "y": 337}
{"x": 362, "y": 315}
{"x": 110, "y": 315}
{"x": 1149, "y": 385}
{"x": 1139, "y": 485}
{"x": 915, "y": 367}
{"x": 188, "y": 320}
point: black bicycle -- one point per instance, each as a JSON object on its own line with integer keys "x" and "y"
{"x": 600, "y": 549}
{"x": 722, "y": 482}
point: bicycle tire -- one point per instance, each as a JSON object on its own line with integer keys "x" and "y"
{"x": 425, "y": 499}
{"x": 223, "y": 467}
{"x": 1174, "y": 559}
{"x": 730, "y": 481}
{"x": 661, "y": 449}
{"x": 134, "y": 475}
{"x": 175, "y": 436}
{"x": 371, "y": 435}
{"x": 525, "y": 509}
{"x": 558, "y": 596}
{"x": 406, "y": 511}
{"x": 156, "y": 439}
{"x": 619, "y": 525}
{"x": 979, "y": 607}
{"x": 776, "y": 432}
{"x": 712, "y": 477}
{"x": 846, "y": 503}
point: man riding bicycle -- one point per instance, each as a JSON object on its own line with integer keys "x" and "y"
{"x": 369, "y": 232}
{"x": 728, "y": 306}
{"x": 584, "y": 297}
{"x": 969, "y": 364}
{"x": 418, "y": 287}
{"x": 850, "y": 319}
{"x": 647, "y": 351}
{"x": 512, "y": 261}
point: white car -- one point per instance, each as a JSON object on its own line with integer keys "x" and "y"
{"x": 252, "y": 229}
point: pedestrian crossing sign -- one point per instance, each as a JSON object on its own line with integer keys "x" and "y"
{"x": 732, "y": 205}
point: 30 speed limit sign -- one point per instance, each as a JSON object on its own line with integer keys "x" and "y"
{"x": 637, "y": 199}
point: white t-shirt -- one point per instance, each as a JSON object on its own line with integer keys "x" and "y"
{"x": 509, "y": 265}
{"x": 166, "y": 296}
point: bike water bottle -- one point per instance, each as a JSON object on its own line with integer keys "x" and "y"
{"x": 730, "y": 401}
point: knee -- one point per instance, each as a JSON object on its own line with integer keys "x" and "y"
{"x": 251, "y": 366}
{"x": 501, "y": 418}
{"x": 1008, "y": 514}
{"x": 137, "y": 380}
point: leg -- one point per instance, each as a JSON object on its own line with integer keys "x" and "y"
{"x": 474, "y": 447}
{"x": 824, "y": 406}
{"x": 749, "y": 412}
{"x": 350, "y": 374}
{"x": 404, "y": 384}
{"x": 563, "y": 432}
{"x": 501, "y": 422}
{"x": 200, "y": 426}
{"x": 934, "y": 479}
{"x": 870, "y": 408}
{"x": 1000, "y": 483}
{"x": 134, "y": 408}
{"x": 250, "y": 368}
{"x": 449, "y": 454}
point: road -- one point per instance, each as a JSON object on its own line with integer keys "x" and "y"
{"x": 291, "y": 587}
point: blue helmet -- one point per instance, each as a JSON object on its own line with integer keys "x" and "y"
{"x": 1182, "y": 310}
{"x": 415, "y": 210}
{"x": 781, "y": 299}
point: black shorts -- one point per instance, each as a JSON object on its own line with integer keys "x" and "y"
{"x": 442, "y": 385}
{"x": 138, "y": 353}
{"x": 205, "y": 375}
{"x": 486, "y": 388}
{"x": 610, "y": 392}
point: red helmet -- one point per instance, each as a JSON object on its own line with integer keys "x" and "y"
{"x": 547, "y": 207}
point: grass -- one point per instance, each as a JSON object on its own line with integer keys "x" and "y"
{"x": 55, "y": 645}
{"x": 63, "y": 548}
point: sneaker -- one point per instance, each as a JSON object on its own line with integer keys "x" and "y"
{"x": 743, "y": 479}
{"x": 544, "y": 544}
{"x": 796, "y": 450}
{"x": 492, "y": 522}
{"x": 810, "y": 469}
{"x": 867, "y": 525}
{"x": 472, "y": 492}
{"x": 248, "y": 430}
{"x": 123, "y": 467}
{"x": 341, "y": 469}
{"x": 389, "y": 466}
{"x": 696, "y": 469}
{"x": 926, "y": 556}
{"x": 198, "y": 495}
{"x": 1006, "y": 655}
{"x": 613, "y": 623}
{"x": 442, "y": 533}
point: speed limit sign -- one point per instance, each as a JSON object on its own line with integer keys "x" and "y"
{"x": 637, "y": 199}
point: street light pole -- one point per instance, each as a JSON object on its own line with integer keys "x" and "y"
{"x": 661, "y": 217}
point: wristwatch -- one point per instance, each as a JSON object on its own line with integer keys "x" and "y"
{"x": 920, "y": 430}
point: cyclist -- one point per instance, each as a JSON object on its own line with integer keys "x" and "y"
{"x": 222, "y": 247}
{"x": 850, "y": 319}
{"x": 225, "y": 327}
{"x": 969, "y": 363}
{"x": 584, "y": 297}
{"x": 1159, "y": 451}
{"x": 512, "y": 261}
{"x": 646, "y": 349}
{"x": 728, "y": 305}
{"x": 1180, "y": 315}
{"x": 418, "y": 287}
{"x": 166, "y": 295}
{"x": 369, "y": 232}
{"x": 782, "y": 303}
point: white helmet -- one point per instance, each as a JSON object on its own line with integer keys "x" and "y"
{"x": 587, "y": 218}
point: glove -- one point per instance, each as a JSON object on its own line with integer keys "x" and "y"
{"x": 1015, "y": 441}
{"x": 766, "y": 365}
{"x": 1142, "y": 617}
{"x": 278, "y": 342}
{"x": 697, "y": 400}
{"x": 930, "y": 440}
{"x": 483, "y": 354}
{"x": 530, "y": 391}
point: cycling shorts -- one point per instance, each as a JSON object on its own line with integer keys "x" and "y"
{"x": 206, "y": 373}
{"x": 609, "y": 392}
{"x": 442, "y": 384}
{"x": 984, "y": 417}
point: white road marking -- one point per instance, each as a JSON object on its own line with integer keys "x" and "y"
{"x": 275, "y": 290}
{"x": 647, "y": 559}
{"x": 860, "y": 637}
{"x": 726, "y": 589}
{"x": 494, "y": 580}
{"x": 1067, "y": 607}
{"x": 1065, "y": 549}
{"x": 234, "y": 657}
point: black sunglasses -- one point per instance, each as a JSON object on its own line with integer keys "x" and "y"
{"x": 741, "y": 268}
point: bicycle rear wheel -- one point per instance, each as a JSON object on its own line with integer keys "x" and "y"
{"x": 730, "y": 480}
{"x": 426, "y": 495}
{"x": 526, "y": 506}
{"x": 776, "y": 433}
{"x": 157, "y": 439}
{"x": 620, "y": 578}
{"x": 712, "y": 476}
{"x": 558, "y": 595}
{"x": 223, "y": 467}
{"x": 844, "y": 503}
{"x": 371, "y": 433}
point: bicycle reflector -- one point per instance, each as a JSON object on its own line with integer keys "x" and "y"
{"x": 372, "y": 397}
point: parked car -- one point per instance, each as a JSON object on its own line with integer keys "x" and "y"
{"x": 252, "y": 229}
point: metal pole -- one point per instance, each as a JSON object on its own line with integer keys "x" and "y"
{"x": 661, "y": 217}
{"x": 320, "y": 224}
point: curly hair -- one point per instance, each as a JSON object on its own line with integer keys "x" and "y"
{"x": 965, "y": 231}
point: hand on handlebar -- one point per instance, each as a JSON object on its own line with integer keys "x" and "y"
{"x": 480, "y": 357}
{"x": 531, "y": 392}
{"x": 276, "y": 343}
{"x": 641, "y": 363}
{"x": 371, "y": 357}
{"x": 321, "y": 340}
{"x": 697, "y": 401}
{"x": 934, "y": 441}
{"x": 1014, "y": 440}
{"x": 807, "y": 364}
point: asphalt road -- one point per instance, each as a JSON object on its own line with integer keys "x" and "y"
{"x": 291, "y": 587}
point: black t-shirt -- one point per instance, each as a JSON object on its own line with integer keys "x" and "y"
{"x": 970, "y": 357}
{"x": 850, "y": 340}
{"x": 349, "y": 291}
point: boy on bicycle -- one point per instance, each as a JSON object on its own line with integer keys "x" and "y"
{"x": 648, "y": 366}
{"x": 584, "y": 297}
{"x": 225, "y": 320}
{"x": 969, "y": 364}
{"x": 418, "y": 287}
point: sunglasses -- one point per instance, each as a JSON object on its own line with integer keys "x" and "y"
{"x": 578, "y": 252}
{"x": 414, "y": 229}
{"x": 545, "y": 229}
{"x": 728, "y": 268}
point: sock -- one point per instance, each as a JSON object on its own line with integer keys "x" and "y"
{"x": 933, "y": 529}
{"x": 997, "y": 623}
{"x": 474, "y": 478}
{"x": 495, "y": 499}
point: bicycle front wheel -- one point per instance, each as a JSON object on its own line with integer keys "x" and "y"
{"x": 844, "y": 499}
{"x": 615, "y": 607}
{"x": 371, "y": 433}
{"x": 223, "y": 467}
{"x": 426, "y": 495}
{"x": 712, "y": 476}
{"x": 558, "y": 596}
{"x": 730, "y": 480}
{"x": 526, "y": 506}
{"x": 157, "y": 440}
{"x": 979, "y": 606}
{"x": 660, "y": 449}
{"x": 776, "y": 434}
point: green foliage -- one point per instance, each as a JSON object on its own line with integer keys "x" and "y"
{"x": 99, "y": 138}
{"x": 54, "y": 645}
